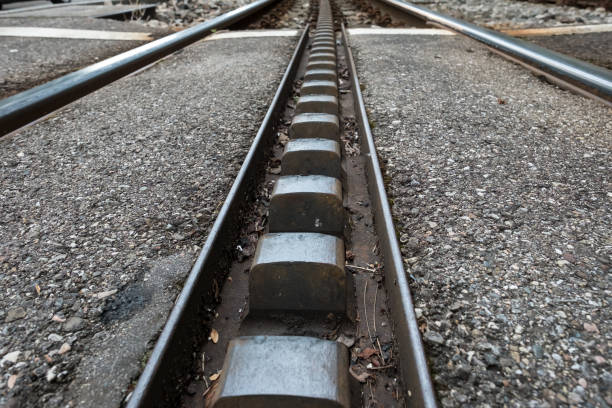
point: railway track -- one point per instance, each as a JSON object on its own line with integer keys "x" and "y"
{"x": 316, "y": 282}
{"x": 316, "y": 309}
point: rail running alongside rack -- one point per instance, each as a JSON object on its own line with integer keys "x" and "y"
{"x": 568, "y": 72}
{"x": 25, "y": 107}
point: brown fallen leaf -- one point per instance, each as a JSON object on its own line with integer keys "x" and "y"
{"x": 214, "y": 376}
{"x": 11, "y": 381}
{"x": 37, "y": 287}
{"x": 367, "y": 353}
{"x": 214, "y": 336}
{"x": 359, "y": 377}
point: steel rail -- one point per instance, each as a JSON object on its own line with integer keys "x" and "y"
{"x": 413, "y": 365}
{"x": 596, "y": 80}
{"x": 173, "y": 351}
{"x": 19, "y": 110}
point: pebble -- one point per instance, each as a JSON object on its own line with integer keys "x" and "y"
{"x": 15, "y": 313}
{"x": 64, "y": 348}
{"x": 433, "y": 337}
{"x": 10, "y": 357}
{"x": 74, "y": 323}
{"x": 51, "y": 374}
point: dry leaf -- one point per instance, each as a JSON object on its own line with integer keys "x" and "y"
{"x": 214, "y": 336}
{"x": 359, "y": 377}
{"x": 37, "y": 287}
{"x": 214, "y": 376}
{"x": 11, "y": 381}
{"x": 58, "y": 319}
{"x": 367, "y": 353}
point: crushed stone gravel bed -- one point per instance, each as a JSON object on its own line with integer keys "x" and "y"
{"x": 178, "y": 14}
{"x": 181, "y": 13}
{"x": 103, "y": 208}
{"x": 500, "y": 188}
{"x": 500, "y": 14}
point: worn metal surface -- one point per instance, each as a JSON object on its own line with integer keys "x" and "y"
{"x": 594, "y": 79}
{"x": 25, "y": 107}
{"x": 323, "y": 49}
{"x": 417, "y": 382}
{"x": 298, "y": 271}
{"x": 174, "y": 348}
{"x": 320, "y": 87}
{"x": 322, "y": 56}
{"x": 321, "y": 65}
{"x": 317, "y": 104}
{"x": 320, "y": 74}
{"x": 307, "y": 204}
{"x": 323, "y": 41}
{"x": 283, "y": 371}
{"x": 311, "y": 156}
{"x": 319, "y": 125}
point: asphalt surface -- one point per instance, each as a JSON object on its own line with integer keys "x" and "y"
{"x": 27, "y": 62}
{"x": 500, "y": 188}
{"x": 104, "y": 206}
{"x": 595, "y": 48}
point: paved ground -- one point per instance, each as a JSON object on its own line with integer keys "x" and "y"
{"x": 595, "y": 48}
{"x": 501, "y": 190}
{"x": 27, "y": 62}
{"x": 103, "y": 208}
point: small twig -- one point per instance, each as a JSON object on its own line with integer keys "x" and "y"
{"x": 365, "y": 305}
{"x": 361, "y": 268}
{"x": 381, "y": 354}
{"x": 374, "y": 311}
{"x": 380, "y": 368}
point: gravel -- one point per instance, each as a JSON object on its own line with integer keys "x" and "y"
{"x": 500, "y": 14}
{"x": 500, "y": 188}
{"x": 103, "y": 208}
{"x": 27, "y": 62}
{"x": 183, "y": 13}
{"x": 178, "y": 14}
